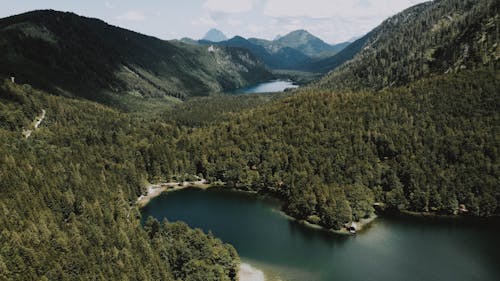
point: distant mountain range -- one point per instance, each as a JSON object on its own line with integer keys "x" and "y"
{"x": 72, "y": 55}
{"x": 297, "y": 50}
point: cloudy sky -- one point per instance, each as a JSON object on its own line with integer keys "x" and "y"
{"x": 332, "y": 20}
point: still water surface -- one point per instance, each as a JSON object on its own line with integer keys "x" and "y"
{"x": 267, "y": 87}
{"x": 390, "y": 249}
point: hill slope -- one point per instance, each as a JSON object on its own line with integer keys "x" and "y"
{"x": 68, "y": 54}
{"x": 67, "y": 198}
{"x": 431, "y": 38}
{"x": 331, "y": 155}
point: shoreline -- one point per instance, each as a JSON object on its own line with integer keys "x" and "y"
{"x": 247, "y": 272}
{"x": 360, "y": 226}
{"x": 155, "y": 190}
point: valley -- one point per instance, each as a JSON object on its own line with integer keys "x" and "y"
{"x": 104, "y": 129}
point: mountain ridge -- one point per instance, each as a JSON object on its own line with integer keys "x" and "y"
{"x": 305, "y": 42}
{"x": 427, "y": 39}
{"x": 296, "y": 50}
{"x": 72, "y": 55}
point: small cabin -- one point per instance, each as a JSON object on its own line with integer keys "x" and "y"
{"x": 351, "y": 228}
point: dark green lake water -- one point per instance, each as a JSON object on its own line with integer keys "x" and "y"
{"x": 390, "y": 249}
{"x": 267, "y": 87}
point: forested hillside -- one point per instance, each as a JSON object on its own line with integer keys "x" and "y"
{"x": 67, "y": 198}
{"x": 67, "y": 194}
{"x": 426, "y": 147}
{"x": 76, "y": 56}
{"x": 411, "y": 122}
{"x": 432, "y": 38}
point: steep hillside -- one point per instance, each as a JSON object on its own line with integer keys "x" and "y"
{"x": 72, "y": 55}
{"x": 431, "y": 38}
{"x": 425, "y": 147}
{"x": 67, "y": 197}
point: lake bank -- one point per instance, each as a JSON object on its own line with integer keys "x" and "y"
{"x": 284, "y": 249}
{"x": 250, "y": 273}
{"x": 154, "y": 190}
{"x": 360, "y": 225}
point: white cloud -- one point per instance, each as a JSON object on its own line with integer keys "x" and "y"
{"x": 255, "y": 29}
{"x": 333, "y": 20}
{"x": 336, "y": 8}
{"x": 205, "y": 20}
{"x": 233, "y": 22}
{"x": 132, "y": 16}
{"x": 229, "y": 6}
{"x": 108, "y": 5}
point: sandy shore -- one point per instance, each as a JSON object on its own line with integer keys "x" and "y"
{"x": 154, "y": 190}
{"x": 249, "y": 273}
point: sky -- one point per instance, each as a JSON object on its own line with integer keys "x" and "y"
{"x": 334, "y": 21}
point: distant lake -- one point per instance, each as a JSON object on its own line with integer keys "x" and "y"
{"x": 390, "y": 249}
{"x": 267, "y": 87}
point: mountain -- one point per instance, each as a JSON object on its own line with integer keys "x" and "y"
{"x": 283, "y": 58}
{"x": 340, "y": 46}
{"x": 431, "y": 38}
{"x": 304, "y": 42}
{"x": 326, "y": 64}
{"x": 214, "y": 35}
{"x": 298, "y": 50}
{"x": 72, "y": 55}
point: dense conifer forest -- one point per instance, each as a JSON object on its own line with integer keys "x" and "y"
{"x": 431, "y": 38}
{"x": 67, "y": 197}
{"x": 422, "y": 139}
{"x": 425, "y": 147}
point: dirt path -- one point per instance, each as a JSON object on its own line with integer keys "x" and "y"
{"x": 36, "y": 123}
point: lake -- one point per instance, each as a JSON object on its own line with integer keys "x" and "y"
{"x": 389, "y": 249}
{"x": 267, "y": 87}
